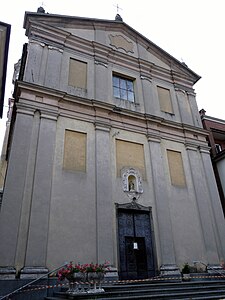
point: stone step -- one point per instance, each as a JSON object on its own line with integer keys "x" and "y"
{"x": 148, "y": 295}
{"x": 156, "y": 297}
{"x": 189, "y": 290}
{"x": 165, "y": 285}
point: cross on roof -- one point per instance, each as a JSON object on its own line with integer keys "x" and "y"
{"x": 41, "y": 7}
{"x": 117, "y": 8}
{"x": 42, "y": 3}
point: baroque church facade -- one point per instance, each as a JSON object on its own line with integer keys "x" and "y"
{"x": 107, "y": 157}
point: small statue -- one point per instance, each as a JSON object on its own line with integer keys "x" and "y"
{"x": 131, "y": 186}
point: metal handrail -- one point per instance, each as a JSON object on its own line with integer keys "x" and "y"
{"x": 208, "y": 267}
{"x": 33, "y": 281}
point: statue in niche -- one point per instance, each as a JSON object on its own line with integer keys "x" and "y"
{"x": 131, "y": 186}
{"x": 132, "y": 182}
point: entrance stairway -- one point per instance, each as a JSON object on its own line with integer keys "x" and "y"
{"x": 192, "y": 290}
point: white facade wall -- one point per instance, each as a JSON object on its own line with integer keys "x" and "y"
{"x": 51, "y": 215}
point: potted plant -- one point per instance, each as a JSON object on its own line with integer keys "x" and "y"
{"x": 66, "y": 272}
{"x": 95, "y": 275}
{"x": 185, "y": 272}
{"x": 77, "y": 274}
{"x": 74, "y": 273}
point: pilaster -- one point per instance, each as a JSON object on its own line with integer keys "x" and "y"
{"x": 14, "y": 185}
{"x": 146, "y": 82}
{"x": 203, "y": 202}
{"x": 104, "y": 206}
{"x": 167, "y": 251}
{"x": 101, "y": 80}
{"x": 41, "y": 194}
{"x": 27, "y": 196}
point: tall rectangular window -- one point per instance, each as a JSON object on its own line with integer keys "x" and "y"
{"x": 176, "y": 168}
{"x": 77, "y": 74}
{"x": 123, "y": 88}
{"x": 75, "y": 151}
{"x": 165, "y": 99}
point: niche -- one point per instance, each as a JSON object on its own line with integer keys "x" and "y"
{"x": 132, "y": 183}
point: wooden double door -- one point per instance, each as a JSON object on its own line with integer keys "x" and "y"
{"x": 135, "y": 245}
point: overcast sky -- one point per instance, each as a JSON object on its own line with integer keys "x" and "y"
{"x": 190, "y": 30}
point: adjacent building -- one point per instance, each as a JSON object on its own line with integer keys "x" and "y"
{"x": 5, "y": 30}
{"x": 216, "y": 140}
{"x": 107, "y": 156}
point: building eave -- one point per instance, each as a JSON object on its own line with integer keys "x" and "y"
{"x": 213, "y": 119}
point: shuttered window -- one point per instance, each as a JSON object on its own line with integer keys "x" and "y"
{"x": 77, "y": 74}
{"x": 165, "y": 100}
{"x": 129, "y": 154}
{"x": 176, "y": 168}
{"x": 75, "y": 151}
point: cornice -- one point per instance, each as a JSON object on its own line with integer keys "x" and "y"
{"x": 47, "y": 34}
{"x": 64, "y": 41}
{"x": 108, "y": 25}
{"x": 45, "y": 112}
{"x": 94, "y": 111}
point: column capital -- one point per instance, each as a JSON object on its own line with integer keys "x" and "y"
{"x": 148, "y": 78}
{"x": 49, "y": 115}
{"x": 101, "y": 63}
{"x": 204, "y": 149}
{"x": 191, "y": 146}
{"x": 153, "y": 138}
{"x": 22, "y": 109}
{"x": 102, "y": 126}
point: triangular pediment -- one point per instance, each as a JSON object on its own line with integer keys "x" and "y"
{"x": 114, "y": 34}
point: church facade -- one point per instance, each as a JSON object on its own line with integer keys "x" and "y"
{"x": 107, "y": 157}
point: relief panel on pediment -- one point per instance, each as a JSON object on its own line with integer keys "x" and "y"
{"x": 120, "y": 42}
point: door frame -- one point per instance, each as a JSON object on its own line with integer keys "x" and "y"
{"x": 134, "y": 207}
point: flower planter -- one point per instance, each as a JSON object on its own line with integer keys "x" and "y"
{"x": 78, "y": 274}
{"x": 80, "y": 279}
{"x": 75, "y": 283}
{"x": 95, "y": 278}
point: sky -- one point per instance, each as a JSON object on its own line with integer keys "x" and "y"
{"x": 192, "y": 31}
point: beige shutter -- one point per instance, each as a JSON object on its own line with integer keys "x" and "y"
{"x": 164, "y": 100}
{"x": 75, "y": 151}
{"x": 77, "y": 74}
{"x": 130, "y": 154}
{"x": 176, "y": 168}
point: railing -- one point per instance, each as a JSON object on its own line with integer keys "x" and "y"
{"x": 208, "y": 267}
{"x": 31, "y": 282}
